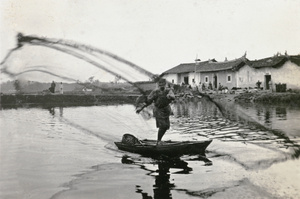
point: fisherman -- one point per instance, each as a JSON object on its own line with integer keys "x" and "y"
{"x": 52, "y": 87}
{"x": 61, "y": 88}
{"x": 162, "y": 97}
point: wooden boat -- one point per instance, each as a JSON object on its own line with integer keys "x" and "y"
{"x": 167, "y": 148}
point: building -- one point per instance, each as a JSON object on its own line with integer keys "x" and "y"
{"x": 241, "y": 72}
{"x": 223, "y": 73}
{"x": 186, "y": 73}
{"x": 279, "y": 69}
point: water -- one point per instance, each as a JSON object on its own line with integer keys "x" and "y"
{"x": 278, "y": 117}
{"x": 68, "y": 152}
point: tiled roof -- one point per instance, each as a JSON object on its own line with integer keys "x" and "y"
{"x": 181, "y": 68}
{"x": 220, "y": 66}
{"x": 207, "y": 66}
{"x": 295, "y": 59}
{"x": 145, "y": 82}
{"x": 274, "y": 62}
{"x": 213, "y": 66}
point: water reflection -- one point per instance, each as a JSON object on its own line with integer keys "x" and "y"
{"x": 51, "y": 110}
{"x": 281, "y": 113}
{"x": 61, "y": 111}
{"x": 261, "y": 125}
{"x": 267, "y": 117}
{"x": 162, "y": 186}
{"x": 195, "y": 107}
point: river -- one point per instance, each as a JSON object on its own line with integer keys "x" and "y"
{"x": 69, "y": 152}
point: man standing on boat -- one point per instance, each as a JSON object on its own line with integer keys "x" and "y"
{"x": 162, "y": 97}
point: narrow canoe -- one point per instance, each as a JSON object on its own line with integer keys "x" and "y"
{"x": 168, "y": 148}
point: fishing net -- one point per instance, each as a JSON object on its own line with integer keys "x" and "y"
{"x": 44, "y": 59}
{"x": 130, "y": 140}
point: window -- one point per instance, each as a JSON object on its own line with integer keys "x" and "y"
{"x": 228, "y": 78}
{"x": 206, "y": 79}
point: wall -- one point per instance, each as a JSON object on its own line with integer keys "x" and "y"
{"x": 170, "y": 77}
{"x": 289, "y": 74}
{"x": 248, "y": 76}
{"x": 221, "y": 78}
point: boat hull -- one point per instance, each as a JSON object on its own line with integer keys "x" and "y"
{"x": 168, "y": 148}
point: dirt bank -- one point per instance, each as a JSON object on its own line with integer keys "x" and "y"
{"x": 269, "y": 98}
{"x": 65, "y": 100}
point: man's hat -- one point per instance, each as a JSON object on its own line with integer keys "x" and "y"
{"x": 162, "y": 82}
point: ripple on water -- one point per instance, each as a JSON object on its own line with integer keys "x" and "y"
{"x": 46, "y": 150}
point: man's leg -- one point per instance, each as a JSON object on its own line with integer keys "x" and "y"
{"x": 160, "y": 134}
{"x": 163, "y": 125}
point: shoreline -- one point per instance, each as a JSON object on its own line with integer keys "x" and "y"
{"x": 264, "y": 97}
{"x": 20, "y": 100}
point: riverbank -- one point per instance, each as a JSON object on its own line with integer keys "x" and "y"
{"x": 269, "y": 98}
{"x": 84, "y": 99}
{"x": 65, "y": 100}
{"x": 263, "y": 97}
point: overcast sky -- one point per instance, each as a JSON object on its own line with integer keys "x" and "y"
{"x": 160, "y": 34}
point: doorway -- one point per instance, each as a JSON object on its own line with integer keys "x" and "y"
{"x": 186, "y": 80}
{"x": 215, "y": 82}
{"x": 267, "y": 81}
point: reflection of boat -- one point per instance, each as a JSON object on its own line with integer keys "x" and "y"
{"x": 162, "y": 186}
{"x": 168, "y": 148}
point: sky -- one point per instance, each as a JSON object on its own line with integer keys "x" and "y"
{"x": 160, "y": 34}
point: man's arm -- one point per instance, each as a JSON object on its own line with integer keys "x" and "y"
{"x": 171, "y": 95}
{"x": 149, "y": 100}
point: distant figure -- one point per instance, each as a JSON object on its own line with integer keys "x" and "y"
{"x": 161, "y": 97}
{"x": 194, "y": 85}
{"x": 52, "y": 87}
{"x": 220, "y": 88}
{"x": 61, "y": 88}
{"x": 270, "y": 85}
{"x": 210, "y": 86}
{"x": 200, "y": 87}
{"x": 258, "y": 83}
{"x": 203, "y": 87}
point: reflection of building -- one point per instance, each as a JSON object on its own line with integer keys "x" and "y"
{"x": 281, "y": 113}
{"x": 239, "y": 72}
